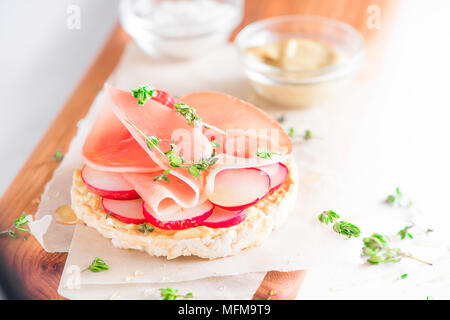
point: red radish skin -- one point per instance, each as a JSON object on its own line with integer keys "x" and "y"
{"x": 221, "y": 218}
{"x": 108, "y": 185}
{"x": 277, "y": 172}
{"x": 181, "y": 219}
{"x": 165, "y": 99}
{"x": 127, "y": 211}
{"x": 238, "y": 189}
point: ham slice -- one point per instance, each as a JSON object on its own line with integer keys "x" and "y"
{"x": 110, "y": 146}
{"x": 115, "y": 145}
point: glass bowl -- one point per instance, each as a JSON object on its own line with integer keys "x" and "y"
{"x": 299, "y": 89}
{"x": 182, "y": 28}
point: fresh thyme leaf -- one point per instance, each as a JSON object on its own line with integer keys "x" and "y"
{"x": 215, "y": 144}
{"x": 152, "y": 142}
{"x": 171, "y": 294}
{"x": 341, "y": 227}
{"x": 308, "y": 135}
{"x": 291, "y": 132}
{"x": 347, "y": 229}
{"x": 188, "y": 112}
{"x": 404, "y": 233}
{"x": 143, "y": 93}
{"x": 97, "y": 265}
{"x": 328, "y": 216}
{"x": 12, "y": 233}
{"x": 163, "y": 176}
{"x": 194, "y": 171}
{"x": 144, "y": 228}
{"x": 377, "y": 250}
{"x": 403, "y": 276}
{"x": 397, "y": 199}
{"x": 264, "y": 154}
{"x": 58, "y": 155}
{"x": 18, "y": 224}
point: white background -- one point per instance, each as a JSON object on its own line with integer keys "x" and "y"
{"x": 41, "y": 62}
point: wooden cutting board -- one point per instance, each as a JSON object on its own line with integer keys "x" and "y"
{"x": 40, "y": 271}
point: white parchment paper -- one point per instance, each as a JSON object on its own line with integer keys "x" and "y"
{"x": 302, "y": 243}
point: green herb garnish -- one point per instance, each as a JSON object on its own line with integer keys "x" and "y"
{"x": 341, "y": 227}
{"x": 403, "y": 276}
{"x": 163, "y": 176}
{"x": 144, "y": 228}
{"x": 328, "y": 216}
{"x": 377, "y": 250}
{"x": 174, "y": 158}
{"x": 347, "y": 229}
{"x": 397, "y": 199}
{"x": 188, "y": 112}
{"x": 215, "y": 144}
{"x": 97, "y": 265}
{"x": 306, "y": 136}
{"x": 264, "y": 154}
{"x": 143, "y": 93}
{"x": 18, "y": 224}
{"x": 58, "y": 155}
{"x": 404, "y": 233}
{"x": 171, "y": 294}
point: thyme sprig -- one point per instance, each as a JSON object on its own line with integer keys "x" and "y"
{"x": 174, "y": 158}
{"x": 341, "y": 227}
{"x": 163, "y": 176}
{"x": 173, "y": 294}
{"x": 264, "y": 154}
{"x": 377, "y": 250}
{"x": 398, "y": 199}
{"x": 404, "y": 233}
{"x": 144, "y": 228}
{"x": 97, "y": 265}
{"x": 307, "y": 135}
{"x": 58, "y": 155}
{"x": 18, "y": 224}
{"x": 144, "y": 92}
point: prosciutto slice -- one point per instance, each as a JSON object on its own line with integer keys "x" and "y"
{"x": 111, "y": 147}
{"x": 116, "y": 144}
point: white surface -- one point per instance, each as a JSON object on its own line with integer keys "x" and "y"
{"x": 41, "y": 61}
{"x": 403, "y": 142}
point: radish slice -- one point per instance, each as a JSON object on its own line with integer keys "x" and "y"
{"x": 221, "y": 218}
{"x": 109, "y": 185}
{"x": 237, "y": 189}
{"x": 165, "y": 99}
{"x": 179, "y": 218}
{"x": 127, "y": 211}
{"x": 277, "y": 172}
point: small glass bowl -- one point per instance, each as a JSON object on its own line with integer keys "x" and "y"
{"x": 180, "y": 29}
{"x": 299, "y": 89}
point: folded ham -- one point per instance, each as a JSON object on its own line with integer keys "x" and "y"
{"x": 116, "y": 143}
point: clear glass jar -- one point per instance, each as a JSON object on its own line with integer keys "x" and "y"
{"x": 180, "y": 29}
{"x": 299, "y": 89}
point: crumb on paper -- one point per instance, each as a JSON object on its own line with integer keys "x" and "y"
{"x": 138, "y": 273}
{"x": 115, "y": 296}
{"x": 147, "y": 292}
{"x": 221, "y": 288}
